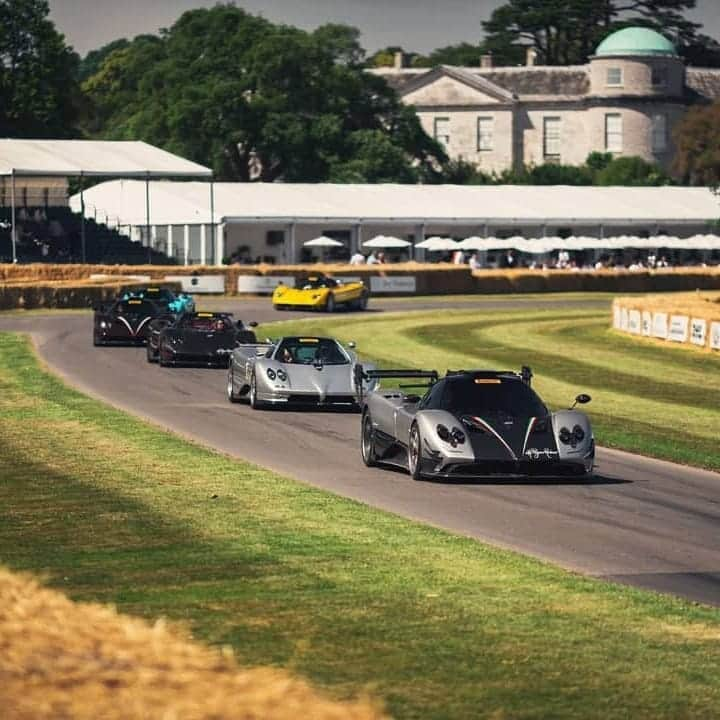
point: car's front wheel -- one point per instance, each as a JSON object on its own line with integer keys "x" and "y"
{"x": 415, "y": 453}
{"x": 151, "y": 354}
{"x": 330, "y": 303}
{"x": 255, "y": 404}
{"x": 367, "y": 441}
{"x": 232, "y": 397}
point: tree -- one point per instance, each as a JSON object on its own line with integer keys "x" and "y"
{"x": 464, "y": 55}
{"x": 631, "y": 171}
{"x": 38, "y": 73}
{"x": 91, "y": 63}
{"x": 566, "y": 32}
{"x": 260, "y": 101}
{"x": 697, "y": 142}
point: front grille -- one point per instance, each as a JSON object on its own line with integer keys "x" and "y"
{"x": 315, "y": 399}
{"x": 494, "y": 467}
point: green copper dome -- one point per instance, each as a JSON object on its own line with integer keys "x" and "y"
{"x": 636, "y": 41}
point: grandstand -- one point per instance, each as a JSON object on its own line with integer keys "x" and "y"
{"x": 54, "y": 234}
{"x": 36, "y": 222}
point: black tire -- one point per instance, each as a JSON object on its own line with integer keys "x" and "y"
{"x": 415, "y": 453}
{"x": 367, "y": 441}
{"x": 330, "y": 303}
{"x": 231, "y": 396}
{"x": 151, "y": 355}
{"x": 255, "y": 404}
{"x": 362, "y": 303}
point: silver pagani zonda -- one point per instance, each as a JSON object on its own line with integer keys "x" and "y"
{"x": 296, "y": 371}
{"x": 472, "y": 424}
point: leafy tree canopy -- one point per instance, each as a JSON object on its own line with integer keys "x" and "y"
{"x": 39, "y": 93}
{"x": 566, "y": 32}
{"x": 697, "y": 141}
{"x": 260, "y": 101}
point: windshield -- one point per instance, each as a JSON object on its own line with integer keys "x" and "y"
{"x": 314, "y": 283}
{"x": 309, "y": 351}
{"x": 136, "y": 306}
{"x": 205, "y": 322}
{"x": 490, "y": 396}
{"x": 162, "y": 294}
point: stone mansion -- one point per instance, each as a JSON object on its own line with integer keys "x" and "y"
{"x": 625, "y": 101}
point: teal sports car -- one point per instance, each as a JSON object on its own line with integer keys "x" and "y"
{"x": 165, "y": 298}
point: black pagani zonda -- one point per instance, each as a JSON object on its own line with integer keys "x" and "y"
{"x": 125, "y": 321}
{"x": 202, "y": 338}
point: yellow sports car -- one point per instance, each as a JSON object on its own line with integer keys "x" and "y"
{"x": 320, "y": 292}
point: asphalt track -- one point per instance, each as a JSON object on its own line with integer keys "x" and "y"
{"x": 641, "y": 521}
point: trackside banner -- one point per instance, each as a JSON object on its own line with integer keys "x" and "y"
{"x": 698, "y": 331}
{"x": 199, "y": 283}
{"x": 263, "y": 284}
{"x": 678, "y": 331}
{"x": 393, "y": 284}
{"x": 702, "y": 332}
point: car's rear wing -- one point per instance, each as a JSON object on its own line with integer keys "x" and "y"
{"x": 525, "y": 374}
{"x": 430, "y": 377}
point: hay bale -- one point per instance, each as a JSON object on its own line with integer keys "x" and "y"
{"x": 59, "y": 659}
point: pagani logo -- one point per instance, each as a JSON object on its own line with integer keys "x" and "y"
{"x": 536, "y": 454}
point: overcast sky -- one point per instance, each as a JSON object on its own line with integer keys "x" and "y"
{"x": 419, "y": 25}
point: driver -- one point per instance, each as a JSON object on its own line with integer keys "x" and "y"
{"x": 287, "y": 356}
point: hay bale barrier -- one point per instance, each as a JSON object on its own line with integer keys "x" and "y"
{"x": 60, "y": 659}
{"x": 689, "y": 319}
{"x": 396, "y": 279}
{"x": 67, "y": 294}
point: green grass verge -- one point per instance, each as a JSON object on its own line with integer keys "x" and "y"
{"x": 111, "y": 509}
{"x": 651, "y": 399}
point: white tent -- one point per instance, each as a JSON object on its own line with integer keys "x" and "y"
{"x": 76, "y": 158}
{"x": 92, "y": 158}
{"x": 399, "y": 209}
{"x": 322, "y": 241}
{"x": 437, "y": 244}
{"x": 386, "y": 242}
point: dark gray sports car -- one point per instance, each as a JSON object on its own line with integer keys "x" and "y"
{"x": 200, "y": 338}
{"x": 475, "y": 423}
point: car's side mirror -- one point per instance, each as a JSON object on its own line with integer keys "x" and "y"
{"x": 351, "y": 345}
{"x": 411, "y": 399}
{"x": 581, "y": 399}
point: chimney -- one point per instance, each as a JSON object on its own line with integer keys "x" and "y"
{"x": 486, "y": 60}
{"x": 530, "y": 56}
{"x": 399, "y": 61}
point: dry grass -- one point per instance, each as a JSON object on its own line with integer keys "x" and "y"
{"x": 432, "y": 279}
{"x": 59, "y": 659}
{"x": 31, "y": 295}
{"x": 666, "y": 279}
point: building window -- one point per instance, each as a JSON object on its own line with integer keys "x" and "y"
{"x": 442, "y": 130}
{"x": 659, "y": 133}
{"x": 614, "y": 77}
{"x": 659, "y": 77}
{"x": 613, "y": 133}
{"x": 551, "y": 138}
{"x": 485, "y": 126}
{"x": 275, "y": 237}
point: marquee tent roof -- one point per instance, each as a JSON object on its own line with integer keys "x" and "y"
{"x": 511, "y": 205}
{"x": 73, "y": 158}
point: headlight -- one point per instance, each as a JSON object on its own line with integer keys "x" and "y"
{"x": 271, "y": 373}
{"x": 282, "y": 375}
{"x": 565, "y": 436}
{"x": 453, "y": 437}
{"x": 578, "y": 433}
{"x": 103, "y": 324}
